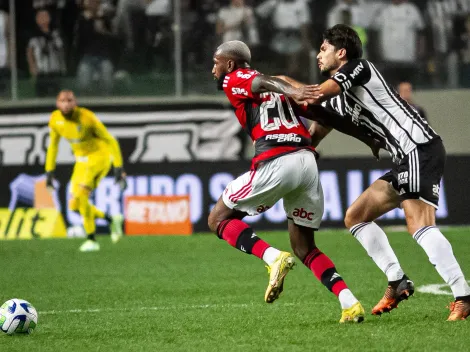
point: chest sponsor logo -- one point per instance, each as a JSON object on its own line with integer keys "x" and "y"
{"x": 355, "y": 112}
{"x": 239, "y": 91}
{"x": 283, "y": 137}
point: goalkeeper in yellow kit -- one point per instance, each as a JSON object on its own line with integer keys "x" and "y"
{"x": 94, "y": 149}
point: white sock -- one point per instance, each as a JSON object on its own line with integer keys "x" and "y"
{"x": 270, "y": 255}
{"x": 375, "y": 242}
{"x": 440, "y": 254}
{"x": 347, "y": 299}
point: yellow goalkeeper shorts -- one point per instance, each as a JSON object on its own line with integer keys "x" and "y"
{"x": 89, "y": 170}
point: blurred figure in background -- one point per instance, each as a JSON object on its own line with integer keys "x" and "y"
{"x": 401, "y": 41}
{"x": 95, "y": 47}
{"x": 46, "y": 56}
{"x": 94, "y": 149}
{"x": 4, "y": 53}
{"x": 237, "y": 22}
{"x": 291, "y": 38}
{"x": 159, "y": 32}
{"x": 405, "y": 89}
{"x": 464, "y": 51}
{"x": 356, "y": 9}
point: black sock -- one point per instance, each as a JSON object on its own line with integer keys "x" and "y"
{"x": 395, "y": 284}
{"x": 91, "y": 236}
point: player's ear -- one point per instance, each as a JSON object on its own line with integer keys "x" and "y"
{"x": 341, "y": 53}
{"x": 230, "y": 65}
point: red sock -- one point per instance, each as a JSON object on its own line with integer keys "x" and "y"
{"x": 325, "y": 271}
{"x": 239, "y": 235}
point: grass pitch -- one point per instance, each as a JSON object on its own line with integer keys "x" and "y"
{"x": 199, "y": 294}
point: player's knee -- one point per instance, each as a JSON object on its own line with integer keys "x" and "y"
{"x": 213, "y": 222}
{"x": 352, "y": 217}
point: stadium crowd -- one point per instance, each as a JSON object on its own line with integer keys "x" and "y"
{"x": 110, "y": 41}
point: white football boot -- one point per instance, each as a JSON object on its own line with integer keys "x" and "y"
{"x": 116, "y": 228}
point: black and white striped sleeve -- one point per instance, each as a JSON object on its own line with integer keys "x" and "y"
{"x": 354, "y": 73}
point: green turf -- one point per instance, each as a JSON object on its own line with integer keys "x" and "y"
{"x": 199, "y": 294}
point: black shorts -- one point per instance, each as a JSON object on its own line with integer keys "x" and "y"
{"x": 419, "y": 174}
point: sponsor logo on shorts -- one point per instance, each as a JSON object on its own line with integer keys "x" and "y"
{"x": 262, "y": 208}
{"x": 284, "y": 137}
{"x": 303, "y": 214}
{"x": 402, "y": 178}
{"x": 435, "y": 190}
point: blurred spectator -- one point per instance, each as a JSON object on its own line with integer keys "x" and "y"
{"x": 442, "y": 15}
{"x": 125, "y": 20}
{"x": 4, "y": 53}
{"x": 465, "y": 52}
{"x": 405, "y": 89}
{"x": 95, "y": 48}
{"x": 46, "y": 57}
{"x": 204, "y": 33}
{"x": 159, "y": 33}
{"x": 400, "y": 40}
{"x": 346, "y": 18}
{"x": 237, "y": 22}
{"x": 290, "y": 25}
{"x": 357, "y": 14}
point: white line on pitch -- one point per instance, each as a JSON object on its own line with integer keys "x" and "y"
{"x": 175, "y": 307}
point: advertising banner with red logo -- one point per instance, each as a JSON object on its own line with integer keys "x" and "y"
{"x": 157, "y": 215}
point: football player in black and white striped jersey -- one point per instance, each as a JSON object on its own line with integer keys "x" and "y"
{"x": 357, "y": 91}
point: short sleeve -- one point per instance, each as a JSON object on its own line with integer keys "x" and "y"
{"x": 354, "y": 73}
{"x": 304, "y": 13}
{"x": 237, "y": 86}
{"x": 417, "y": 19}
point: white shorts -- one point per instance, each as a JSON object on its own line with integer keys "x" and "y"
{"x": 292, "y": 177}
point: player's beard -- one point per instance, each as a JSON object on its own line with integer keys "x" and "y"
{"x": 220, "y": 81}
{"x": 326, "y": 72}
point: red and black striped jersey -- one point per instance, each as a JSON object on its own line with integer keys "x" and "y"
{"x": 270, "y": 119}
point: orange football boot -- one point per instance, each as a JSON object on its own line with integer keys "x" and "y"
{"x": 394, "y": 295}
{"x": 459, "y": 310}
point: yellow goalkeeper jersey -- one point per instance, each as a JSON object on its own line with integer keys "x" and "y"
{"x": 86, "y": 134}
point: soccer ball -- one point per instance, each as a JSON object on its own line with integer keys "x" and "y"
{"x": 18, "y": 316}
{"x": 76, "y": 232}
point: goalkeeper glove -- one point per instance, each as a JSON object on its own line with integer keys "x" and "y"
{"x": 50, "y": 180}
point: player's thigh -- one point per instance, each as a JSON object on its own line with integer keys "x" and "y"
{"x": 257, "y": 190}
{"x": 88, "y": 174}
{"x": 375, "y": 201}
{"x": 302, "y": 239}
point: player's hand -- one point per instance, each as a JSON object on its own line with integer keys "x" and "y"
{"x": 120, "y": 178}
{"x": 307, "y": 94}
{"x": 50, "y": 181}
{"x": 375, "y": 146}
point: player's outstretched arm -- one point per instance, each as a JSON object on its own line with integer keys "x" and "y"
{"x": 291, "y": 81}
{"x": 326, "y": 90}
{"x": 327, "y": 120}
{"x": 302, "y": 94}
{"x": 51, "y": 156}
